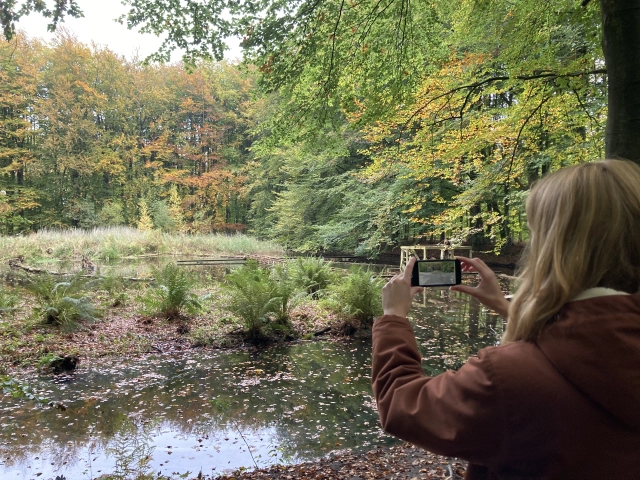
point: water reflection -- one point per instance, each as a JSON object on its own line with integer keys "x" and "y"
{"x": 221, "y": 410}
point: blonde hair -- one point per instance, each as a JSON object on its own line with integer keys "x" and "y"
{"x": 585, "y": 232}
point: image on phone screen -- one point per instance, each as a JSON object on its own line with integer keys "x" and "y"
{"x": 436, "y": 273}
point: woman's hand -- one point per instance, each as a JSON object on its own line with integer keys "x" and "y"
{"x": 488, "y": 290}
{"x": 398, "y": 293}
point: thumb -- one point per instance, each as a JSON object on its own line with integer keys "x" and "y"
{"x": 415, "y": 290}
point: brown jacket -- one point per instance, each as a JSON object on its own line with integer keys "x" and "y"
{"x": 564, "y": 407}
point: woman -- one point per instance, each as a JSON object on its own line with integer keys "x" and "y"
{"x": 560, "y": 397}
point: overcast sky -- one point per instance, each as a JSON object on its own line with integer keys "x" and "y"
{"x": 98, "y": 25}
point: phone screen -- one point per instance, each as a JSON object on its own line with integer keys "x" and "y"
{"x": 430, "y": 273}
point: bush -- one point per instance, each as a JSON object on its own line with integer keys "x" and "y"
{"x": 262, "y": 300}
{"x": 312, "y": 274}
{"x": 357, "y": 297}
{"x": 173, "y": 294}
{"x": 60, "y": 303}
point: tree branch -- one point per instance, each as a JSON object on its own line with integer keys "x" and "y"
{"x": 474, "y": 86}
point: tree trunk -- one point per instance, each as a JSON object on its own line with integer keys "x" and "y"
{"x": 621, "y": 46}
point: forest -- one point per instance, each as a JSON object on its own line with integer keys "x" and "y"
{"x": 391, "y": 125}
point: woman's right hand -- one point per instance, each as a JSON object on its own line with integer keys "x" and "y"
{"x": 488, "y": 290}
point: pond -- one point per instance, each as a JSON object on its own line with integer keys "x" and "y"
{"x": 215, "y": 411}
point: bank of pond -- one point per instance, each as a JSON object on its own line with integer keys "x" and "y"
{"x": 281, "y": 372}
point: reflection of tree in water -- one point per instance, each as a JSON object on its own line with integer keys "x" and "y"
{"x": 130, "y": 449}
{"x": 451, "y": 327}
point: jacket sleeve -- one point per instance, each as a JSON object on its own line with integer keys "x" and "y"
{"x": 457, "y": 414}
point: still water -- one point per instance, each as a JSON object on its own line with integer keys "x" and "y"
{"x": 216, "y": 411}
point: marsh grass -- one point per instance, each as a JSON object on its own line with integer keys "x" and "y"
{"x": 111, "y": 243}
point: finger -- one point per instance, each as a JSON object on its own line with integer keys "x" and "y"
{"x": 408, "y": 270}
{"x": 478, "y": 265}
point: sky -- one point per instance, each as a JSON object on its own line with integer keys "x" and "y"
{"x": 98, "y": 25}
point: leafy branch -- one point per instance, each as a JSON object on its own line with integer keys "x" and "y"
{"x": 474, "y": 86}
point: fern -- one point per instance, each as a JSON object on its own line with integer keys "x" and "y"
{"x": 358, "y": 297}
{"x": 312, "y": 274}
{"x": 262, "y": 299}
{"x": 173, "y": 293}
{"x": 60, "y": 303}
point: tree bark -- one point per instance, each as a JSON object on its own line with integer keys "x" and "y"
{"x": 621, "y": 46}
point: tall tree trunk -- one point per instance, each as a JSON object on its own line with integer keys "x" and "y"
{"x": 621, "y": 46}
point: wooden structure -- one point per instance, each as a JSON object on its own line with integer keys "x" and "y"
{"x": 213, "y": 261}
{"x": 444, "y": 252}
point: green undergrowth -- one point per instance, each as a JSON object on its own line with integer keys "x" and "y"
{"x": 357, "y": 298}
{"x": 172, "y": 293}
{"x": 264, "y": 298}
{"x": 63, "y": 302}
{"x": 54, "y": 316}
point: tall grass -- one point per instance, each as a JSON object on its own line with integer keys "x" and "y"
{"x": 109, "y": 243}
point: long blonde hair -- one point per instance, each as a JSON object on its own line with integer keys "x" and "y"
{"x": 585, "y": 232}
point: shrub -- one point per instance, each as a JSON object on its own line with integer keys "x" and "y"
{"x": 60, "y": 303}
{"x": 312, "y": 274}
{"x": 357, "y": 297}
{"x": 261, "y": 299}
{"x": 173, "y": 294}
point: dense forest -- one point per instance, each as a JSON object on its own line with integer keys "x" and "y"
{"x": 393, "y": 126}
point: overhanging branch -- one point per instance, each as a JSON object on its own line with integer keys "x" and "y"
{"x": 524, "y": 78}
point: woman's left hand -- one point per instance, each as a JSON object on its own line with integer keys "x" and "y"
{"x": 397, "y": 294}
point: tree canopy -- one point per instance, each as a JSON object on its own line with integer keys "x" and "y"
{"x": 351, "y": 125}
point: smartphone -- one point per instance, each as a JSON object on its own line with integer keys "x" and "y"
{"x": 436, "y": 273}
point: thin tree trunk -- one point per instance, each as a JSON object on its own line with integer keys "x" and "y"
{"x": 621, "y": 46}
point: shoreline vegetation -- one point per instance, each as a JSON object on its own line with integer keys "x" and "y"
{"x": 52, "y": 323}
{"x": 53, "y": 320}
{"x": 118, "y": 242}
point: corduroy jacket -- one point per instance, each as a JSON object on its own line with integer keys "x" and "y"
{"x": 566, "y": 406}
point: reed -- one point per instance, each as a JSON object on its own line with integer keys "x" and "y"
{"x": 110, "y": 243}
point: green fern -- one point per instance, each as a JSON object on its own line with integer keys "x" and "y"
{"x": 173, "y": 293}
{"x": 8, "y": 302}
{"x": 358, "y": 297}
{"x": 61, "y": 303}
{"x": 262, "y": 300}
{"x": 312, "y": 274}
